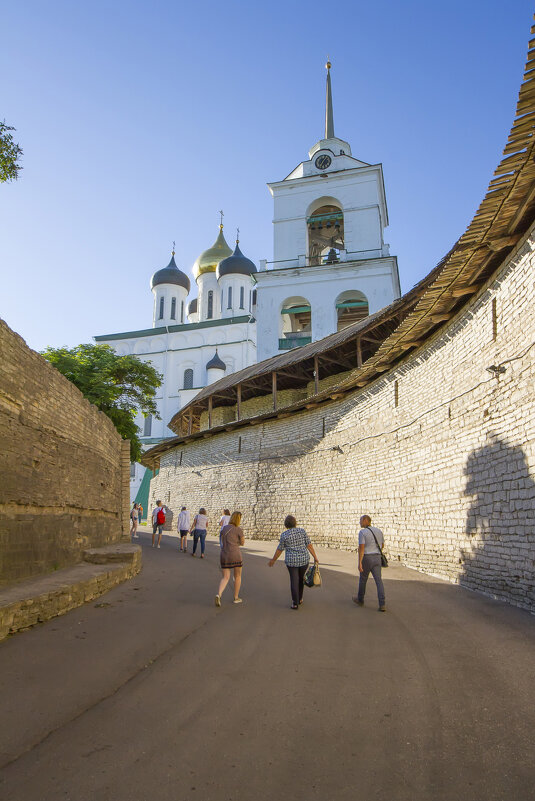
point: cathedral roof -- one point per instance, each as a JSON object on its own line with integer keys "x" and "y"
{"x": 170, "y": 275}
{"x": 216, "y": 362}
{"x": 237, "y": 263}
{"x": 209, "y": 259}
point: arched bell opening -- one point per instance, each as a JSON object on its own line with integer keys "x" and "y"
{"x": 295, "y": 325}
{"x": 325, "y": 228}
{"x": 351, "y": 306}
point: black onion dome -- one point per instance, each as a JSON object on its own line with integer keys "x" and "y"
{"x": 170, "y": 275}
{"x": 216, "y": 362}
{"x": 192, "y": 306}
{"x": 237, "y": 263}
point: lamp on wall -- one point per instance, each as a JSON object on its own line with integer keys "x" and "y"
{"x": 496, "y": 369}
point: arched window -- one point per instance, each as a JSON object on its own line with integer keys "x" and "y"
{"x": 181, "y": 311}
{"x": 188, "y": 378}
{"x": 210, "y": 311}
{"x": 351, "y": 306}
{"x": 325, "y": 233}
{"x": 222, "y": 299}
{"x": 229, "y": 303}
{"x": 242, "y": 298}
{"x": 161, "y": 309}
{"x": 254, "y": 297}
{"x": 295, "y": 323}
{"x": 173, "y": 309}
{"x": 147, "y": 426}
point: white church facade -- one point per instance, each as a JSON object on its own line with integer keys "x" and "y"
{"x": 330, "y": 268}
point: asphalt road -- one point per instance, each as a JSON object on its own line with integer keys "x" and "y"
{"x": 153, "y": 694}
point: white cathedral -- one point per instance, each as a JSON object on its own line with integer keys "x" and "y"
{"x": 330, "y": 268}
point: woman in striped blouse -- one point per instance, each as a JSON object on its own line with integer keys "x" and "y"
{"x": 297, "y": 546}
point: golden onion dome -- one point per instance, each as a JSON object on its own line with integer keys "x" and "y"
{"x": 208, "y": 261}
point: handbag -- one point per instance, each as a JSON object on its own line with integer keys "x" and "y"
{"x": 384, "y": 560}
{"x": 312, "y": 576}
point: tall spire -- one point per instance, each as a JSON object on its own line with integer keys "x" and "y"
{"x": 329, "y": 120}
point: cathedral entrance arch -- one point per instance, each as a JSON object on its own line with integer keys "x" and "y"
{"x": 351, "y": 306}
{"x": 295, "y": 324}
{"x": 325, "y": 231}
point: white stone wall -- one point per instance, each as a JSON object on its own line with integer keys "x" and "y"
{"x": 448, "y": 473}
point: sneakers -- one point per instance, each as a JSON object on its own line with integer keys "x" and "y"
{"x": 218, "y": 600}
{"x": 382, "y": 609}
{"x": 356, "y": 601}
{"x": 294, "y": 606}
{"x": 237, "y": 601}
{"x": 158, "y": 546}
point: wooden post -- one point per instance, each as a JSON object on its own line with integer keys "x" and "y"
{"x": 210, "y": 412}
{"x": 316, "y": 375}
{"x": 274, "y": 390}
{"x": 190, "y": 421}
{"x": 238, "y": 402}
{"x": 359, "y": 353}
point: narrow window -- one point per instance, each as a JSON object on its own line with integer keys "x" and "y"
{"x": 173, "y": 309}
{"x": 396, "y": 393}
{"x": 222, "y": 299}
{"x": 132, "y": 470}
{"x": 182, "y": 311}
{"x": 147, "y": 426}
{"x": 239, "y": 444}
{"x": 229, "y": 304}
{"x": 323, "y": 427}
{"x": 242, "y": 298}
{"x": 494, "y": 319}
{"x": 210, "y": 312}
{"x": 181, "y": 455}
{"x": 161, "y": 308}
{"x": 250, "y": 300}
{"x": 254, "y": 297}
{"x": 188, "y": 378}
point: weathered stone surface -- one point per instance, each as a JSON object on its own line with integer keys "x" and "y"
{"x": 64, "y": 471}
{"x": 448, "y": 473}
{"x": 35, "y": 600}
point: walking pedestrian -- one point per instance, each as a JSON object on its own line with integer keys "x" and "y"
{"x": 158, "y": 521}
{"x": 296, "y": 544}
{"x": 223, "y": 521}
{"x": 183, "y": 528}
{"x": 198, "y": 529}
{"x": 371, "y": 543}
{"x": 230, "y": 556}
{"x": 134, "y": 518}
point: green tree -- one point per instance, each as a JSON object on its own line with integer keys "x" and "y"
{"x": 10, "y": 152}
{"x": 120, "y": 386}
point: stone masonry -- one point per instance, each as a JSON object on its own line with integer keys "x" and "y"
{"x": 64, "y": 472}
{"x": 439, "y": 450}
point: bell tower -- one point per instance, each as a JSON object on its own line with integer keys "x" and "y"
{"x": 329, "y": 218}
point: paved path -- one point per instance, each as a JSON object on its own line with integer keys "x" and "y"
{"x": 153, "y": 694}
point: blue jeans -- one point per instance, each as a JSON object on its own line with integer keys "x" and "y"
{"x": 371, "y": 563}
{"x": 199, "y": 533}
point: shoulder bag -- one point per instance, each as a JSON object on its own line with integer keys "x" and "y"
{"x": 384, "y": 560}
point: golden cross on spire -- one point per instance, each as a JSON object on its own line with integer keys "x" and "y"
{"x": 222, "y": 213}
{"x": 173, "y": 251}
{"x": 237, "y": 235}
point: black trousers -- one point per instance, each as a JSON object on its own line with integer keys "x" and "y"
{"x": 297, "y": 574}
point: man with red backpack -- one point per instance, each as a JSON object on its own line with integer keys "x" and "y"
{"x": 158, "y": 521}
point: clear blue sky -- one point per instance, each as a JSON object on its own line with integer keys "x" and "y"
{"x": 139, "y": 120}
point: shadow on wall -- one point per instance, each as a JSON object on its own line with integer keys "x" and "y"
{"x": 501, "y": 519}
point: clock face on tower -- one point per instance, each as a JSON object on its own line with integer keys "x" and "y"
{"x": 322, "y": 162}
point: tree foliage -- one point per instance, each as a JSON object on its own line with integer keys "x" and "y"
{"x": 120, "y": 386}
{"x": 10, "y": 152}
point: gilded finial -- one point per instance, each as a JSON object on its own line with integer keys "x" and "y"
{"x": 328, "y": 64}
{"x": 237, "y": 235}
{"x": 221, "y": 221}
{"x": 173, "y": 251}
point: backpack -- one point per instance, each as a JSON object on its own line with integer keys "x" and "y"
{"x": 160, "y": 517}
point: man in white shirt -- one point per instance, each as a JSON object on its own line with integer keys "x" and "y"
{"x": 183, "y": 524}
{"x": 371, "y": 542}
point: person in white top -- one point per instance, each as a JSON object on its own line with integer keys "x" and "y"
{"x": 371, "y": 543}
{"x": 198, "y": 529}
{"x": 223, "y": 521}
{"x": 182, "y": 527}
